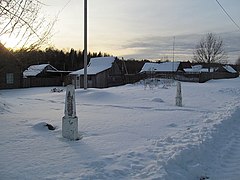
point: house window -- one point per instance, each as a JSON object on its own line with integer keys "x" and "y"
{"x": 78, "y": 82}
{"x": 89, "y": 78}
{"x": 9, "y": 78}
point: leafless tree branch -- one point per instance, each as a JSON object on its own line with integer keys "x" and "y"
{"x": 209, "y": 50}
{"x": 22, "y": 20}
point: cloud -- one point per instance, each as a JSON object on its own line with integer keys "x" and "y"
{"x": 156, "y": 47}
{"x": 231, "y": 41}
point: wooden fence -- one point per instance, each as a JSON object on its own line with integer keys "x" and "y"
{"x": 41, "y": 82}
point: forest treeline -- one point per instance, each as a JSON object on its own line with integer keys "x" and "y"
{"x": 69, "y": 60}
{"x": 60, "y": 59}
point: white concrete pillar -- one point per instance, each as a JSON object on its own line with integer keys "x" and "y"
{"x": 179, "y": 95}
{"x": 70, "y": 120}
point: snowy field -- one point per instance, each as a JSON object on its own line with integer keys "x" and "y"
{"x": 129, "y": 132}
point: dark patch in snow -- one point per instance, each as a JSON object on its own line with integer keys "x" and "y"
{"x": 157, "y": 100}
{"x": 50, "y": 127}
{"x": 56, "y": 90}
{"x": 204, "y": 177}
{"x": 43, "y": 126}
{"x": 172, "y": 125}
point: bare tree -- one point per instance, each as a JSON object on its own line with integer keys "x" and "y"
{"x": 22, "y": 20}
{"x": 209, "y": 50}
{"x": 238, "y": 61}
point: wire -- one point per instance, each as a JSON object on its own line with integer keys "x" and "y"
{"x": 228, "y": 15}
{"x": 67, "y": 3}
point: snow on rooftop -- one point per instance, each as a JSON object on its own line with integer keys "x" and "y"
{"x": 96, "y": 65}
{"x": 34, "y": 70}
{"x": 160, "y": 67}
{"x": 197, "y": 69}
{"x": 229, "y": 69}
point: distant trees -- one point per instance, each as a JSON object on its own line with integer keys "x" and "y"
{"x": 62, "y": 60}
{"x": 238, "y": 61}
{"x": 22, "y": 22}
{"x": 210, "y": 49}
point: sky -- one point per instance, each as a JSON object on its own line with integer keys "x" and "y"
{"x": 141, "y": 29}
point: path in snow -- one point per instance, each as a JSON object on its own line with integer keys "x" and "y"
{"x": 217, "y": 157}
{"x": 228, "y": 157}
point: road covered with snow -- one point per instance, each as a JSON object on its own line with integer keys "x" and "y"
{"x": 129, "y": 132}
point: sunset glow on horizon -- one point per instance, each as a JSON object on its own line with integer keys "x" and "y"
{"x": 142, "y": 29}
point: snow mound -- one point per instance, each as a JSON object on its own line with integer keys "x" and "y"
{"x": 42, "y": 126}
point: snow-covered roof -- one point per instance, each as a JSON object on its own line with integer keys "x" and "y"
{"x": 229, "y": 69}
{"x": 96, "y": 65}
{"x": 198, "y": 69}
{"x": 34, "y": 70}
{"x": 160, "y": 67}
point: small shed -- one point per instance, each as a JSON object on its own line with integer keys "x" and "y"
{"x": 39, "y": 70}
{"x": 10, "y": 70}
{"x": 102, "y": 72}
{"x": 43, "y": 75}
{"x": 165, "y": 69}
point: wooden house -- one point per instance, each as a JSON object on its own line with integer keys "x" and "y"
{"x": 43, "y": 75}
{"x": 164, "y": 70}
{"x": 201, "y": 73}
{"x": 10, "y": 70}
{"x": 102, "y": 72}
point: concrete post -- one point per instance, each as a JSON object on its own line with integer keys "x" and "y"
{"x": 70, "y": 120}
{"x": 179, "y": 95}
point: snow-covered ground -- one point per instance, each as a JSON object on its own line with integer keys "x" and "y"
{"x": 129, "y": 132}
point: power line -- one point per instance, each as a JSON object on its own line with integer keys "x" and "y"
{"x": 66, "y": 4}
{"x": 228, "y": 15}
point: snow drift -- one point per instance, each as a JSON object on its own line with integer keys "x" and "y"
{"x": 129, "y": 132}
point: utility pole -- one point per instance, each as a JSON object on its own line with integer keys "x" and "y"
{"x": 85, "y": 44}
{"x": 173, "y": 48}
{"x": 173, "y": 55}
